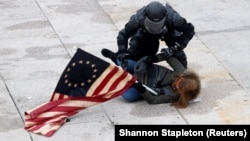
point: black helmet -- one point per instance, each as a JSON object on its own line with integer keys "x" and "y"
{"x": 155, "y": 17}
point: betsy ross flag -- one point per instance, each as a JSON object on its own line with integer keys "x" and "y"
{"x": 86, "y": 81}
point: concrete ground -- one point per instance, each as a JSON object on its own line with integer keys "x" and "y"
{"x": 38, "y": 38}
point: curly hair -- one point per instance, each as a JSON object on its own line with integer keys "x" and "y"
{"x": 187, "y": 86}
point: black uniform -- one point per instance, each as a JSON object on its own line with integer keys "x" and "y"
{"x": 142, "y": 43}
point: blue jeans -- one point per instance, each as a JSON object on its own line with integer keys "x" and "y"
{"x": 132, "y": 94}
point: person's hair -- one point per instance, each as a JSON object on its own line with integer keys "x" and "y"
{"x": 187, "y": 86}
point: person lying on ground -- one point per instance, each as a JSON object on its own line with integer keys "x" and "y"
{"x": 176, "y": 85}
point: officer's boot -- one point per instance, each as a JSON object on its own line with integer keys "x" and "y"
{"x": 109, "y": 54}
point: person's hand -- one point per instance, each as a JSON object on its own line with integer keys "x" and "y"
{"x": 123, "y": 58}
{"x": 177, "y": 47}
{"x": 168, "y": 52}
{"x": 122, "y": 55}
{"x": 138, "y": 85}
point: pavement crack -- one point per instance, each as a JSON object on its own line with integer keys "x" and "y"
{"x": 236, "y": 29}
{"x": 109, "y": 118}
{"x": 183, "y": 117}
{"x": 12, "y": 98}
{"x": 53, "y": 28}
{"x": 111, "y": 20}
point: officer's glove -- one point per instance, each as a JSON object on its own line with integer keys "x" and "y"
{"x": 122, "y": 51}
{"x": 167, "y": 52}
{"x": 177, "y": 47}
{"x": 123, "y": 58}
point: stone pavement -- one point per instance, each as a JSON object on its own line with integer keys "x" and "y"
{"x": 38, "y": 38}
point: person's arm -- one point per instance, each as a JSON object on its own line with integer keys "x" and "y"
{"x": 129, "y": 30}
{"x": 175, "y": 64}
{"x": 187, "y": 30}
{"x": 167, "y": 96}
{"x": 182, "y": 31}
{"x": 171, "y": 60}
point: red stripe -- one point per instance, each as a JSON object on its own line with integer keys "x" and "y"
{"x": 65, "y": 109}
{"x": 45, "y": 108}
{"x": 44, "y": 119}
{"x": 121, "y": 91}
{"x": 40, "y": 121}
{"x": 35, "y": 127}
{"x": 105, "y": 81}
{"x": 61, "y": 96}
{"x": 52, "y": 97}
{"x": 92, "y": 99}
{"x": 51, "y": 105}
{"x": 50, "y": 133}
{"x": 117, "y": 81}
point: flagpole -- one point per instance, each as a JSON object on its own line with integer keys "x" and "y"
{"x": 150, "y": 90}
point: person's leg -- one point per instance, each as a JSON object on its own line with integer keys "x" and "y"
{"x": 129, "y": 65}
{"x": 109, "y": 54}
{"x": 131, "y": 95}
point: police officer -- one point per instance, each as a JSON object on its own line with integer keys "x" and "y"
{"x": 143, "y": 32}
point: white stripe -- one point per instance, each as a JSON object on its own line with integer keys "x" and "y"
{"x": 70, "y": 103}
{"x": 30, "y": 111}
{"x": 120, "y": 86}
{"x": 99, "y": 80}
{"x": 29, "y": 123}
{"x": 47, "y": 128}
{"x": 78, "y": 103}
{"x": 111, "y": 81}
{"x": 49, "y": 114}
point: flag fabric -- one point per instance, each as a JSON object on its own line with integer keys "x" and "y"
{"x": 86, "y": 81}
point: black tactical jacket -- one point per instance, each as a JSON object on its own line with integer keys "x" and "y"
{"x": 177, "y": 29}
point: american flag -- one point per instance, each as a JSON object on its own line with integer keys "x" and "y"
{"x": 86, "y": 81}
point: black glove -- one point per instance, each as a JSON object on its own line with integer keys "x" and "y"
{"x": 123, "y": 58}
{"x": 122, "y": 52}
{"x": 138, "y": 85}
{"x": 167, "y": 52}
{"x": 177, "y": 47}
{"x": 122, "y": 48}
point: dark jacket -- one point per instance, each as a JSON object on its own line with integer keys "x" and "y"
{"x": 177, "y": 30}
{"x": 160, "y": 78}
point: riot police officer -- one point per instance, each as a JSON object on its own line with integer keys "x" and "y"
{"x": 142, "y": 34}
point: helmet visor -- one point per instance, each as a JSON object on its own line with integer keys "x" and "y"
{"x": 154, "y": 27}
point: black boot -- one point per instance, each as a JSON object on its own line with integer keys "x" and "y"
{"x": 109, "y": 54}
